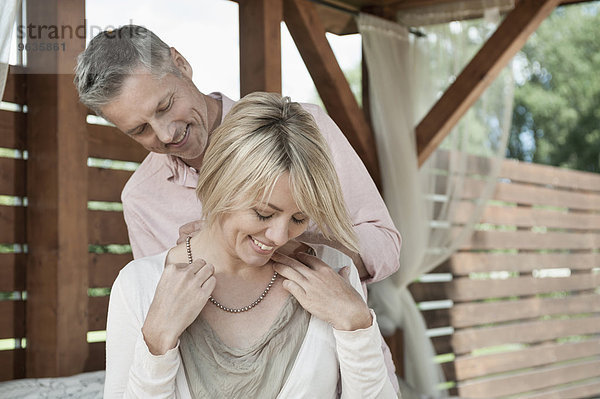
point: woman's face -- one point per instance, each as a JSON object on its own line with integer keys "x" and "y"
{"x": 252, "y": 235}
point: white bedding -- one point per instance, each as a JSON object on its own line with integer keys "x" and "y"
{"x": 80, "y": 386}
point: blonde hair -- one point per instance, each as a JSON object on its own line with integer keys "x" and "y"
{"x": 260, "y": 139}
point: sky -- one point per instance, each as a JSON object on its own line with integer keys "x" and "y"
{"x": 206, "y": 33}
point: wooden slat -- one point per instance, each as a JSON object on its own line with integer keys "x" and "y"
{"x": 481, "y": 71}
{"x": 104, "y": 268}
{"x": 12, "y": 220}
{"x": 531, "y": 380}
{"x": 468, "y": 314}
{"x": 531, "y": 241}
{"x": 584, "y": 390}
{"x": 106, "y": 184}
{"x": 12, "y": 317}
{"x": 96, "y": 357}
{"x": 525, "y": 172}
{"x": 260, "y": 45}
{"x": 549, "y": 175}
{"x": 528, "y": 217}
{"x": 465, "y": 263}
{"x": 12, "y": 271}
{"x": 531, "y": 195}
{"x": 97, "y": 311}
{"x": 108, "y": 142}
{"x": 527, "y": 194}
{"x": 15, "y": 90}
{"x": 12, "y": 130}
{"x": 107, "y": 227}
{"x": 12, "y": 177}
{"x": 466, "y": 340}
{"x": 467, "y": 367}
{"x": 308, "y": 33}
{"x": 12, "y": 364}
{"x": 465, "y": 289}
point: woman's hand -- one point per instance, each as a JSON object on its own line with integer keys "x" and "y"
{"x": 323, "y": 292}
{"x": 180, "y": 296}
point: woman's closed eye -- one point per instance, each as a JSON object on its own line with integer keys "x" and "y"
{"x": 263, "y": 217}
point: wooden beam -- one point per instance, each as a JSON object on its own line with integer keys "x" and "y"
{"x": 57, "y": 272}
{"x": 260, "y": 45}
{"x": 308, "y": 33}
{"x": 487, "y": 64}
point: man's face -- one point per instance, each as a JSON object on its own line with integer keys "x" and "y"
{"x": 167, "y": 115}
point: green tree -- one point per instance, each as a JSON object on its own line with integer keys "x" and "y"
{"x": 556, "y": 118}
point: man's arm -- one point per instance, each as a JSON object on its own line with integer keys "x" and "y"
{"x": 141, "y": 238}
{"x": 379, "y": 240}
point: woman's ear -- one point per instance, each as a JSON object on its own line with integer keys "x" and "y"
{"x": 181, "y": 63}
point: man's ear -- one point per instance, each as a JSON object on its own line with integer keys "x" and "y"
{"x": 181, "y": 63}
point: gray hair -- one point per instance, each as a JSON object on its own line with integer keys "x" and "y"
{"x": 112, "y": 56}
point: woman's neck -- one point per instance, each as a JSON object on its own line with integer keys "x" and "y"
{"x": 208, "y": 245}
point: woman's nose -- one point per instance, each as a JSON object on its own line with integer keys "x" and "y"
{"x": 278, "y": 233}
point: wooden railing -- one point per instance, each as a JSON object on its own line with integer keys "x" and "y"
{"x": 104, "y": 228}
{"x": 525, "y": 290}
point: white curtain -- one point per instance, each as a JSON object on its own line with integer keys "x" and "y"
{"x": 8, "y": 10}
{"x": 429, "y": 204}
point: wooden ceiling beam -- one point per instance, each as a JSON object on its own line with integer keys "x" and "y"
{"x": 260, "y": 45}
{"x": 487, "y": 64}
{"x": 308, "y": 33}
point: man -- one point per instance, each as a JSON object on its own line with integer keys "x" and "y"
{"x": 144, "y": 87}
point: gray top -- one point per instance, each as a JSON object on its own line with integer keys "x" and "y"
{"x": 215, "y": 370}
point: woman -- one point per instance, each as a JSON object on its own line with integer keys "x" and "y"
{"x": 227, "y": 314}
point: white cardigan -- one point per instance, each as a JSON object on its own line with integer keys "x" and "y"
{"x": 326, "y": 357}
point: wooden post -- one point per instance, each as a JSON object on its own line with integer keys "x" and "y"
{"x": 57, "y": 272}
{"x": 260, "y": 45}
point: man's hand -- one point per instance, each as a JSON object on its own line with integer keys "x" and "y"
{"x": 180, "y": 296}
{"x": 323, "y": 292}
{"x": 316, "y": 238}
{"x": 190, "y": 229}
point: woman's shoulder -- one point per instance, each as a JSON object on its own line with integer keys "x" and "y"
{"x": 142, "y": 271}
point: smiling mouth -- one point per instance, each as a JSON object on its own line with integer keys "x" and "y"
{"x": 182, "y": 139}
{"x": 262, "y": 246}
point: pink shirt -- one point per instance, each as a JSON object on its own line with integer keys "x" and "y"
{"x": 160, "y": 197}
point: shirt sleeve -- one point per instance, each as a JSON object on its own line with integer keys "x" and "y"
{"x": 142, "y": 240}
{"x": 379, "y": 239}
{"x": 362, "y": 368}
{"x": 131, "y": 370}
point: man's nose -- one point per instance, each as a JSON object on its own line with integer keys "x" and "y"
{"x": 165, "y": 131}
